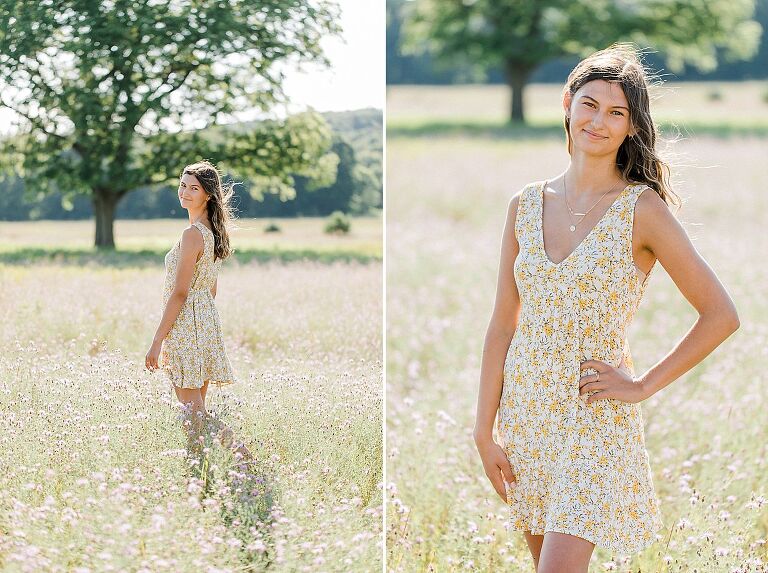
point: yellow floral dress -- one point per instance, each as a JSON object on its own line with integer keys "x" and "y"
{"x": 581, "y": 469}
{"x": 193, "y": 351}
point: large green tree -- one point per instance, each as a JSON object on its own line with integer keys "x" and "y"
{"x": 520, "y": 35}
{"x": 120, "y": 94}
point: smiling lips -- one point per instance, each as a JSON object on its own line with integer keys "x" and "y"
{"x": 594, "y": 135}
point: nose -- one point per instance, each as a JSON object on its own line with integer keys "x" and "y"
{"x": 597, "y": 120}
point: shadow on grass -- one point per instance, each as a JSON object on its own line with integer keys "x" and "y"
{"x": 515, "y": 131}
{"x": 247, "y": 508}
{"x": 27, "y": 256}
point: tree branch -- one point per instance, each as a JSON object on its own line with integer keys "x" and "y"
{"x": 33, "y": 120}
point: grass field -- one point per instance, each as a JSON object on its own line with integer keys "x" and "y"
{"x": 143, "y": 242}
{"x": 447, "y": 194}
{"x": 94, "y": 475}
{"x": 695, "y": 108}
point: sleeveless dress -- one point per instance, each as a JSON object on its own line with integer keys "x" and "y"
{"x": 193, "y": 351}
{"x": 580, "y": 469}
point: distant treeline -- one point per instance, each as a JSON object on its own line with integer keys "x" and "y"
{"x": 422, "y": 69}
{"x": 358, "y": 188}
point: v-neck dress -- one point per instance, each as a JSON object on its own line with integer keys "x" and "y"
{"x": 581, "y": 469}
{"x": 193, "y": 351}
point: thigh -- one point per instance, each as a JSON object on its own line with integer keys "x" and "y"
{"x": 563, "y": 553}
{"x": 534, "y": 544}
{"x": 192, "y": 397}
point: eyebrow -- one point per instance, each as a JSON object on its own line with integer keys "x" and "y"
{"x": 615, "y": 106}
{"x": 193, "y": 185}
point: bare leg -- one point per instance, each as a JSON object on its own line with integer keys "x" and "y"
{"x": 534, "y": 544}
{"x": 225, "y": 435}
{"x": 563, "y": 553}
{"x": 195, "y": 415}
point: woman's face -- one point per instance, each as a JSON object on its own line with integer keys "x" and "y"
{"x": 599, "y": 117}
{"x": 191, "y": 194}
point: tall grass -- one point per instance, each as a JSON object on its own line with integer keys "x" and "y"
{"x": 94, "y": 471}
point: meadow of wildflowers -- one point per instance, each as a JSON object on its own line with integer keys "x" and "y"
{"x": 706, "y": 433}
{"x": 94, "y": 471}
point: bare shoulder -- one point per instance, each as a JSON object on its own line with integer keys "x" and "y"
{"x": 654, "y": 221}
{"x": 192, "y": 237}
{"x": 651, "y": 209}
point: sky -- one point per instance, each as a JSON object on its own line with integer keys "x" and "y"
{"x": 358, "y": 74}
{"x": 355, "y": 79}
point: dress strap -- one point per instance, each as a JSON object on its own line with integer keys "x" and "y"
{"x": 526, "y": 210}
{"x": 628, "y": 215}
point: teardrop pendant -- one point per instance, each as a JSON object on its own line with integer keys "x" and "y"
{"x": 573, "y": 228}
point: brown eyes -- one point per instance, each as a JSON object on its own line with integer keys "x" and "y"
{"x": 590, "y": 104}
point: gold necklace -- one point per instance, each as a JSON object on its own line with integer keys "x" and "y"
{"x": 571, "y": 212}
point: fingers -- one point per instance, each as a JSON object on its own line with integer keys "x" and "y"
{"x": 501, "y": 474}
{"x": 506, "y": 471}
{"x": 151, "y": 364}
{"x": 593, "y": 386}
{"x": 591, "y": 378}
{"x": 592, "y": 382}
{"x": 598, "y": 365}
{"x": 598, "y": 396}
{"x": 498, "y": 470}
{"x": 498, "y": 485}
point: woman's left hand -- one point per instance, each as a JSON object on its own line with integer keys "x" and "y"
{"x": 153, "y": 355}
{"x": 610, "y": 382}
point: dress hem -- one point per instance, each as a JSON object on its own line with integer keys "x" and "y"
{"x": 217, "y": 383}
{"x": 641, "y": 546}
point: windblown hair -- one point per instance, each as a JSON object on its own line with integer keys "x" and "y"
{"x": 637, "y": 157}
{"x": 219, "y": 207}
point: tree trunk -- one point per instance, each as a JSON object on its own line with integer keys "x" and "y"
{"x": 517, "y": 77}
{"x": 104, "y": 203}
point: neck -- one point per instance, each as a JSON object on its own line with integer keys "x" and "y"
{"x": 196, "y": 215}
{"x": 589, "y": 175}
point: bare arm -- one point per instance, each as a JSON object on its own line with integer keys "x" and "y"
{"x": 190, "y": 249}
{"x": 498, "y": 336}
{"x": 500, "y": 330}
{"x": 660, "y": 232}
{"x": 215, "y": 284}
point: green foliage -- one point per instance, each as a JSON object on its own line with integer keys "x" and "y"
{"x": 361, "y": 129}
{"x": 519, "y": 36}
{"x": 364, "y": 131}
{"x": 269, "y": 153}
{"x": 338, "y": 223}
{"x": 117, "y": 95}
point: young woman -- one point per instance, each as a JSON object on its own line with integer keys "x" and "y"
{"x": 576, "y": 254}
{"x": 188, "y": 344}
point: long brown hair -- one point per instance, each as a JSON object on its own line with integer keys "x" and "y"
{"x": 637, "y": 157}
{"x": 219, "y": 208}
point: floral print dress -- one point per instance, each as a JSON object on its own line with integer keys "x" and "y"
{"x": 580, "y": 469}
{"x": 193, "y": 351}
